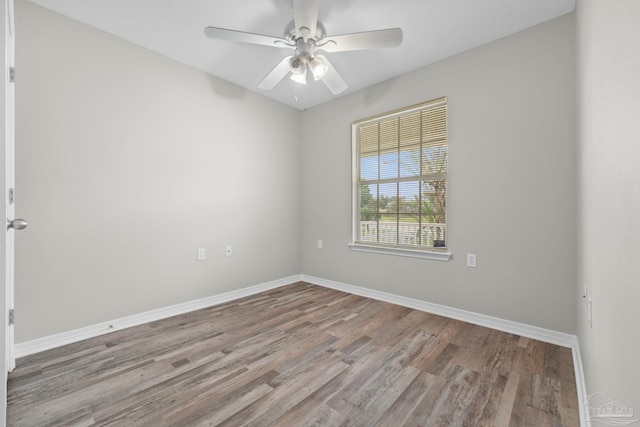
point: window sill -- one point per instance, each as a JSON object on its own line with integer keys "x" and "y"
{"x": 432, "y": 255}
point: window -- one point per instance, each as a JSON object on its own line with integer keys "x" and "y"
{"x": 400, "y": 180}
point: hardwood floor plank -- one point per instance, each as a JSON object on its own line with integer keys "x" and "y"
{"x": 478, "y": 398}
{"x": 507, "y": 400}
{"x": 569, "y": 411}
{"x": 371, "y": 316}
{"x": 443, "y": 359}
{"x": 185, "y": 381}
{"x": 472, "y": 336}
{"x": 382, "y": 383}
{"x": 299, "y": 355}
{"x": 287, "y": 395}
{"x": 535, "y": 356}
{"x": 492, "y": 407}
{"x": 56, "y": 410}
{"x": 443, "y": 339}
{"x": 373, "y": 365}
{"x": 458, "y": 382}
{"x": 221, "y": 402}
{"x": 455, "y": 410}
{"x": 505, "y": 353}
{"x": 317, "y": 416}
{"x": 133, "y": 420}
{"x": 398, "y": 413}
{"x": 427, "y": 404}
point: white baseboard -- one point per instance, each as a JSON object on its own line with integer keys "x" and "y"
{"x": 534, "y": 332}
{"x": 528, "y": 331}
{"x": 53, "y": 341}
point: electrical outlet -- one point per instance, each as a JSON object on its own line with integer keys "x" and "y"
{"x": 472, "y": 260}
{"x": 200, "y": 254}
{"x": 319, "y": 244}
{"x": 228, "y": 251}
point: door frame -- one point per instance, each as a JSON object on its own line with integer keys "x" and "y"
{"x": 6, "y": 179}
{"x": 9, "y": 163}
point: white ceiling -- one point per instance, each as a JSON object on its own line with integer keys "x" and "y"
{"x": 433, "y": 30}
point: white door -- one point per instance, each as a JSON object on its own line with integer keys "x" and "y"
{"x": 9, "y": 172}
{"x": 6, "y": 182}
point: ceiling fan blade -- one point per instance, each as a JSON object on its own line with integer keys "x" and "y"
{"x": 242, "y": 37}
{"x": 305, "y": 16}
{"x": 332, "y": 79}
{"x": 390, "y": 37}
{"x": 277, "y": 74}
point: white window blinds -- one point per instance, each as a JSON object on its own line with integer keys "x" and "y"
{"x": 400, "y": 187}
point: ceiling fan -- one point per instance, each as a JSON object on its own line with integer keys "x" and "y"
{"x": 306, "y": 36}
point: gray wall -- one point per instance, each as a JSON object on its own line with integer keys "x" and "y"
{"x": 152, "y": 159}
{"x": 608, "y": 66}
{"x": 511, "y": 181}
{"x": 127, "y": 162}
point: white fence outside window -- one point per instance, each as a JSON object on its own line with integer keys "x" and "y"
{"x": 408, "y": 233}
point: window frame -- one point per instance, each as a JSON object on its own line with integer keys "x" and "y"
{"x": 426, "y": 252}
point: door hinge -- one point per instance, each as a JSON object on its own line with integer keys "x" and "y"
{"x": 12, "y": 75}
{"x": 12, "y": 317}
{"x": 11, "y": 195}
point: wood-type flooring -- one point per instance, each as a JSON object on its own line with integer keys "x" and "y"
{"x": 299, "y": 355}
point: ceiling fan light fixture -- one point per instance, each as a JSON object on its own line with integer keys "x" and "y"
{"x": 318, "y": 68}
{"x": 298, "y": 64}
{"x": 300, "y": 78}
{"x": 298, "y": 67}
